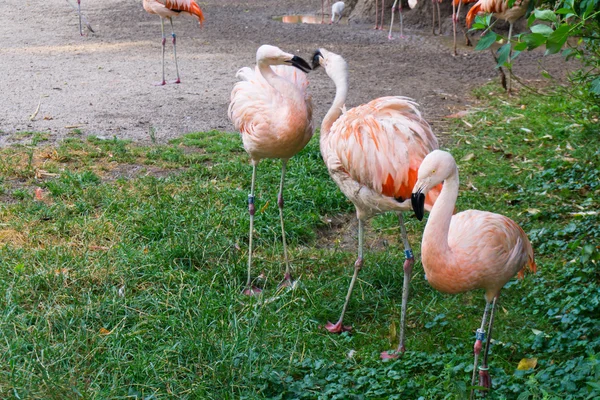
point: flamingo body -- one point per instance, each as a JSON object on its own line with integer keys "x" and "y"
{"x": 500, "y": 10}
{"x": 336, "y": 10}
{"x": 173, "y": 8}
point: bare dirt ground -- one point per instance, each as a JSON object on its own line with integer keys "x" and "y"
{"x": 102, "y": 84}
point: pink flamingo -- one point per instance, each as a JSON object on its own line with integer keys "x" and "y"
{"x": 273, "y": 112}
{"x": 470, "y": 250}
{"x": 373, "y": 153}
{"x": 501, "y": 11}
{"x": 380, "y": 27}
{"x": 169, "y": 9}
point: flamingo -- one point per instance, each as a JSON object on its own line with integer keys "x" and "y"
{"x": 392, "y": 21}
{"x": 169, "y": 9}
{"x": 501, "y": 11}
{"x": 323, "y": 10}
{"x": 470, "y": 250}
{"x": 373, "y": 153}
{"x": 380, "y": 27}
{"x": 337, "y": 9}
{"x": 455, "y": 18}
{"x": 273, "y": 112}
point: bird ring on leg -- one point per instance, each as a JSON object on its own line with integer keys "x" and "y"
{"x": 409, "y": 254}
{"x": 480, "y": 334}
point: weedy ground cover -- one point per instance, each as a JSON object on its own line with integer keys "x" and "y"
{"x": 122, "y": 278}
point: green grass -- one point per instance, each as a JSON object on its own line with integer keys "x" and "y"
{"x": 125, "y": 280}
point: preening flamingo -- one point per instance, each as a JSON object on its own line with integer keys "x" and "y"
{"x": 169, "y": 9}
{"x": 501, "y": 11}
{"x": 380, "y": 27}
{"x": 337, "y": 9}
{"x": 273, "y": 112}
{"x": 470, "y": 250}
{"x": 373, "y": 153}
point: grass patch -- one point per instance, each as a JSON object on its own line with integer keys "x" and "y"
{"x": 124, "y": 280}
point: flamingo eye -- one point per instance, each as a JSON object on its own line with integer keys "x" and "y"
{"x": 433, "y": 172}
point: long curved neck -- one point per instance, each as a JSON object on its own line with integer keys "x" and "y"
{"x": 283, "y": 86}
{"x": 341, "y": 91}
{"x": 438, "y": 224}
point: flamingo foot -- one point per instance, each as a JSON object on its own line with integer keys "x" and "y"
{"x": 392, "y": 354}
{"x": 160, "y": 83}
{"x": 484, "y": 378}
{"x": 252, "y": 291}
{"x": 287, "y": 282}
{"x": 376, "y": 27}
{"x": 176, "y": 81}
{"x": 338, "y": 327}
{"x": 390, "y": 37}
{"x": 380, "y": 28}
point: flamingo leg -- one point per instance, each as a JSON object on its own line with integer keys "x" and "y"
{"x": 392, "y": 21}
{"x": 510, "y": 27}
{"x": 338, "y": 327}
{"x": 322, "y": 11}
{"x": 164, "y": 41}
{"x": 462, "y": 28}
{"x": 484, "y": 375}
{"x": 287, "y": 280}
{"x": 249, "y": 289}
{"x": 382, "y": 14}
{"x": 79, "y": 13}
{"x": 479, "y": 338}
{"x": 433, "y": 17}
{"x": 437, "y": 3}
{"x": 408, "y": 264}
{"x": 174, "y": 50}
{"x": 376, "y": 11}
{"x": 454, "y": 22}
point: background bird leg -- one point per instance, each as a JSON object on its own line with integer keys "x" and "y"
{"x": 174, "y": 50}
{"x": 376, "y": 12}
{"x": 249, "y": 289}
{"x": 338, "y": 327}
{"x": 437, "y": 3}
{"x": 382, "y": 14}
{"x": 287, "y": 280}
{"x": 164, "y": 41}
{"x": 479, "y": 338}
{"x": 79, "y": 13}
{"x": 433, "y": 17}
{"x": 454, "y": 22}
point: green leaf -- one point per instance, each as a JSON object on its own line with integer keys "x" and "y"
{"x": 557, "y": 39}
{"x": 545, "y": 15}
{"x": 542, "y": 29}
{"x": 563, "y": 11}
{"x": 530, "y": 19}
{"x": 486, "y": 41}
{"x": 520, "y": 46}
{"x": 534, "y": 40}
{"x": 503, "y": 53}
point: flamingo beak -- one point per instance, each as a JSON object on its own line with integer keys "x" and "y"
{"x": 299, "y": 63}
{"x": 315, "y": 60}
{"x": 417, "y": 199}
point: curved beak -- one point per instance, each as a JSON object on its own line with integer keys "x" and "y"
{"x": 299, "y": 63}
{"x": 315, "y": 60}
{"x": 417, "y": 200}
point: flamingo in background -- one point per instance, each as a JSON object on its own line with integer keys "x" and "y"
{"x": 380, "y": 27}
{"x": 82, "y": 18}
{"x": 337, "y": 9}
{"x": 373, "y": 153}
{"x": 470, "y": 250}
{"x": 436, "y": 4}
{"x": 392, "y": 21}
{"x": 323, "y": 10}
{"x": 456, "y": 4}
{"x": 501, "y": 11}
{"x": 169, "y": 9}
{"x": 273, "y": 112}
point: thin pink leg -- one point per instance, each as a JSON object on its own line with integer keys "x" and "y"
{"x": 382, "y": 14}
{"x": 376, "y": 12}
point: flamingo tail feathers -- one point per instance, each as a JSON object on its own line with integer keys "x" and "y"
{"x": 476, "y": 9}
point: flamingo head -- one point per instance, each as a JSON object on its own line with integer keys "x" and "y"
{"x": 435, "y": 168}
{"x": 334, "y": 64}
{"x": 272, "y": 55}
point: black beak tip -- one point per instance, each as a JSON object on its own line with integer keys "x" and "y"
{"x": 301, "y": 64}
{"x": 417, "y": 201}
{"x": 315, "y": 59}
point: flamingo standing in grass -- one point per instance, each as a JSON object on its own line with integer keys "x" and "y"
{"x": 169, "y": 9}
{"x": 373, "y": 153}
{"x": 501, "y": 11}
{"x": 273, "y": 112}
{"x": 470, "y": 250}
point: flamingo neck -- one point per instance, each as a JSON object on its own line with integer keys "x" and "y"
{"x": 341, "y": 91}
{"x": 435, "y": 236}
